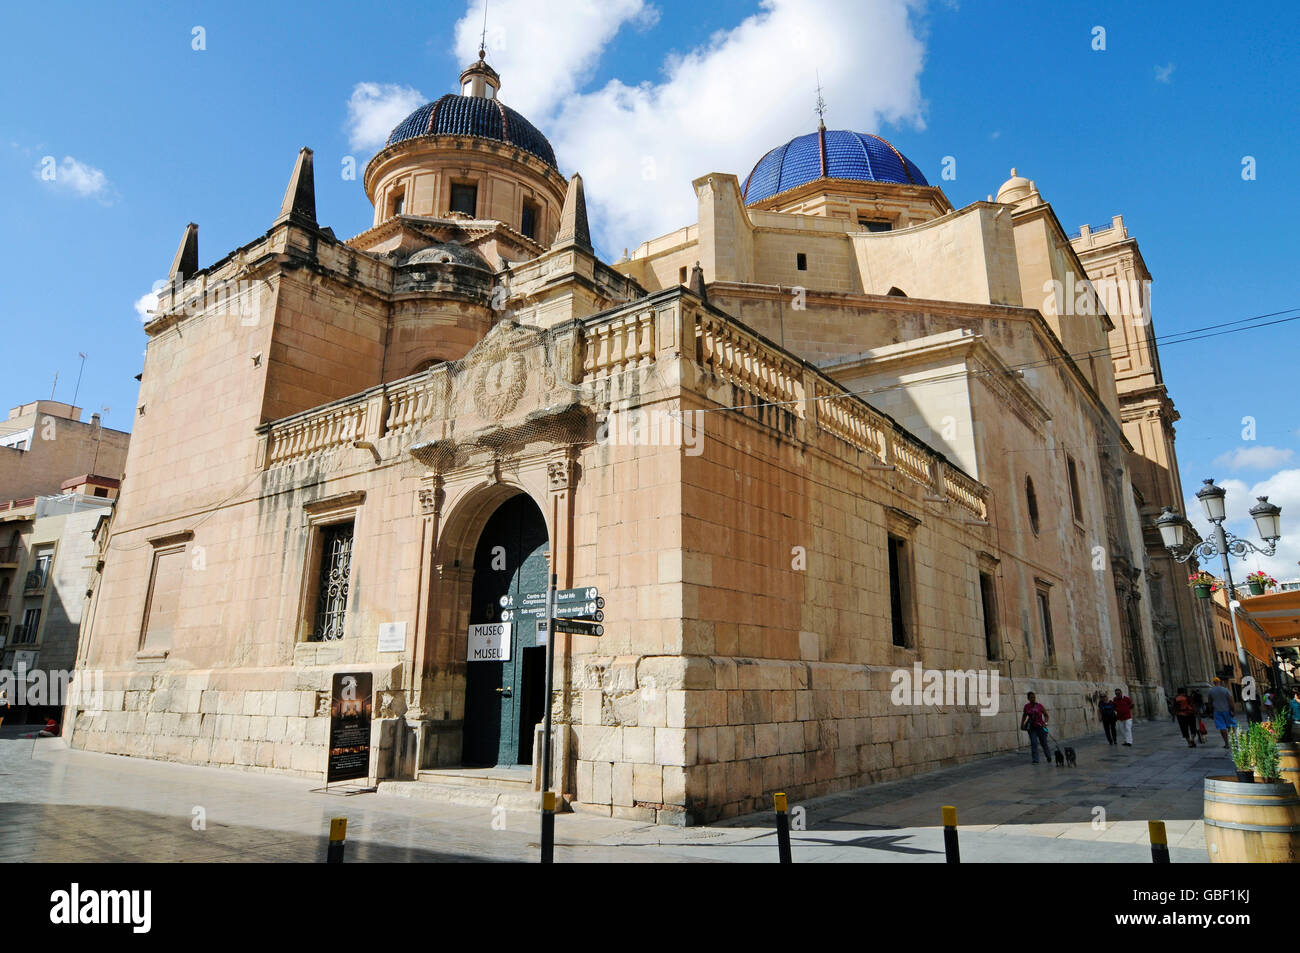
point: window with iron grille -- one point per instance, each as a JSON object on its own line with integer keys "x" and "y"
{"x": 332, "y": 591}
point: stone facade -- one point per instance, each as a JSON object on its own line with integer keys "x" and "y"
{"x": 838, "y": 458}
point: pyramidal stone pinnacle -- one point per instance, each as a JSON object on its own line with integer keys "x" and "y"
{"x": 573, "y": 217}
{"x": 186, "y": 262}
{"x": 300, "y": 197}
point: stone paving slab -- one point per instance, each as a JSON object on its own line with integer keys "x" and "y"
{"x": 62, "y": 805}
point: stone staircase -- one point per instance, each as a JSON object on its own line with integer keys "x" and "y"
{"x": 508, "y": 788}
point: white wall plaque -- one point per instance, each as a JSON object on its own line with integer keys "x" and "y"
{"x": 490, "y": 642}
{"x": 392, "y": 636}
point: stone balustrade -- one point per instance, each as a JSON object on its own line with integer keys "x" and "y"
{"x": 306, "y": 434}
{"x": 636, "y": 336}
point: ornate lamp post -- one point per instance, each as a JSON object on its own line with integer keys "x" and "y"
{"x": 1173, "y": 532}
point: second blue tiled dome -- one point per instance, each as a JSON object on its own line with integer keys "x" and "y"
{"x": 829, "y": 153}
{"x": 454, "y": 115}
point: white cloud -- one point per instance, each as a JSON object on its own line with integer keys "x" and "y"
{"x": 375, "y": 108}
{"x": 717, "y": 108}
{"x": 1254, "y": 458}
{"x": 1282, "y": 489}
{"x": 145, "y": 304}
{"x": 1164, "y": 72}
{"x": 74, "y": 177}
{"x": 545, "y": 51}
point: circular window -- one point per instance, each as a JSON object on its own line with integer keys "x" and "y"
{"x": 1031, "y": 501}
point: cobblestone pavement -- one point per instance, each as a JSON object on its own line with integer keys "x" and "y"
{"x": 62, "y": 805}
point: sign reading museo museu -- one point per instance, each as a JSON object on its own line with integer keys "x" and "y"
{"x": 350, "y": 711}
{"x": 489, "y": 642}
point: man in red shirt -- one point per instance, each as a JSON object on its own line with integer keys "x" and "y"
{"x": 1124, "y": 714}
{"x": 1033, "y": 719}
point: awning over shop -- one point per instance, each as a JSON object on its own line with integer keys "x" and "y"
{"x": 1278, "y": 615}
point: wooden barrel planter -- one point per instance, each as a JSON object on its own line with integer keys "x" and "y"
{"x": 1251, "y": 823}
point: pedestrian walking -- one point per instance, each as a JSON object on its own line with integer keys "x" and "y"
{"x": 4, "y": 704}
{"x": 1124, "y": 712}
{"x": 1186, "y": 713}
{"x": 1106, "y": 713}
{"x": 1294, "y": 703}
{"x": 1202, "y": 709}
{"x": 1221, "y": 705}
{"x": 1033, "y": 719}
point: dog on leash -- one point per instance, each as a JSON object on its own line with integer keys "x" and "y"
{"x": 1069, "y": 758}
{"x": 1060, "y": 759}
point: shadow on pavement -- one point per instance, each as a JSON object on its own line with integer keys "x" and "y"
{"x": 62, "y": 833}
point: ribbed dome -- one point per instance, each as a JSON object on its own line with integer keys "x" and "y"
{"x": 454, "y": 115}
{"x": 829, "y": 153}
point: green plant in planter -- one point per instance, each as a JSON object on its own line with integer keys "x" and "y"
{"x": 1241, "y": 749}
{"x": 1280, "y": 726}
{"x": 1268, "y": 761}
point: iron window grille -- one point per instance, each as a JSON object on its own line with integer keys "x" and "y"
{"x": 332, "y": 591}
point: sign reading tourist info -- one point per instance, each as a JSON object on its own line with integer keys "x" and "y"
{"x": 350, "y": 710}
{"x": 576, "y": 611}
{"x": 489, "y": 642}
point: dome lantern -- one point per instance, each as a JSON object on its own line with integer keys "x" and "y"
{"x": 479, "y": 79}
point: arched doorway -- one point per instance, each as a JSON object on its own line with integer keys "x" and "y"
{"x": 504, "y": 699}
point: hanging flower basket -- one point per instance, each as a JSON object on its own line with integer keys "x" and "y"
{"x": 1260, "y": 581}
{"x": 1201, "y": 583}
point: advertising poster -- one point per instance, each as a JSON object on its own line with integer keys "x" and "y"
{"x": 350, "y": 711}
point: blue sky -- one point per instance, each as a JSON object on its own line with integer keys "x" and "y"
{"x": 150, "y": 133}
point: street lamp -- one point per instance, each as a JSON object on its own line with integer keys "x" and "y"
{"x": 1173, "y": 532}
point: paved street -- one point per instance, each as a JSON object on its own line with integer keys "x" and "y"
{"x": 63, "y": 805}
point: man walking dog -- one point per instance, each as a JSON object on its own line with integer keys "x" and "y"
{"x": 1034, "y": 720}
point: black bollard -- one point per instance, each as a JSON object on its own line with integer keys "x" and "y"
{"x": 1159, "y": 842}
{"x": 338, "y": 837}
{"x": 950, "y": 847}
{"x": 548, "y": 827}
{"x": 782, "y": 828}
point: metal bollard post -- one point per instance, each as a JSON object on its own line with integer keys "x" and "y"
{"x": 1159, "y": 842}
{"x": 782, "y": 828}
{"x": 338, "y": 837}
{"x": 950, "y": 847}
{"x": 548, "y": 827}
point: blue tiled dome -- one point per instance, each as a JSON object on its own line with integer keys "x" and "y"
{"x": 829, "y": 153}
{"x": 454, "y": 115}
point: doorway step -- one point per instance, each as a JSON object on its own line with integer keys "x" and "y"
{"x": 505, "y": 787}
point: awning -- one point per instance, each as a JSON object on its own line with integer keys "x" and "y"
{"x": 1278, "y": 615}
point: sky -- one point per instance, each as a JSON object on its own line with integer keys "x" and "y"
{"x": 123, "y": 122}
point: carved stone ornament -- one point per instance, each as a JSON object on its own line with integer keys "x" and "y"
{"x": 499, "y": 382}
{"x": 559, "y": 474}
{"x": 431, "y": 498}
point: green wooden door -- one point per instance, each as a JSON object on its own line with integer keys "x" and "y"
{"x": 503, "y": 700}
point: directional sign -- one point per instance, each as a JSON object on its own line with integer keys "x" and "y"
{"x": 509, "y": 601}
{"x": 585, "y": 594}
{"x": 537, "y": 612}
{"x": 580, "y": 610}
{"x": 578, "y": 628}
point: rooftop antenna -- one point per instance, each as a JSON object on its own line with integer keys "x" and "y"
{"x": 76, "y": 390}
{"x": 821, "y": 104}
{"x": 54, "y": 385}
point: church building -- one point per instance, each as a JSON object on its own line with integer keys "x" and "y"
{"x": 833, "y": 434}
